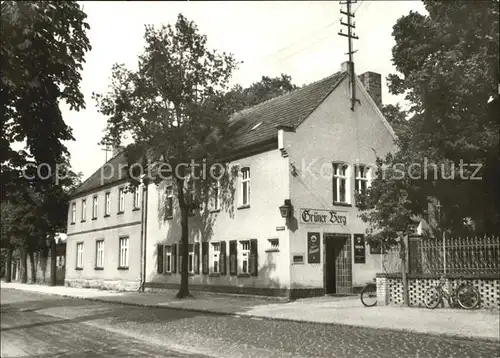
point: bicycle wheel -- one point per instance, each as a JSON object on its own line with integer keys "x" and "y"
{"x": 369, "y": 295}
{"x": 468, "y": 297}
{"x": 432, "y": 298}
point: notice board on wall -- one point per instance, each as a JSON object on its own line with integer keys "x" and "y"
{"x": 313, "y": 248}
{"x": 359, "y": 249}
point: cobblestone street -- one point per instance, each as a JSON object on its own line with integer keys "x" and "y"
{"x": 43, "y": 325}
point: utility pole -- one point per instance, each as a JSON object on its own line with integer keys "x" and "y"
{"x": 106, "y": 149}
{"x": 350, "y": 36}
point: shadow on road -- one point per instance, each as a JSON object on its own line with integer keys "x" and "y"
{"x": 79, "y": 311}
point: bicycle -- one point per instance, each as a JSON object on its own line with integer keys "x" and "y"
{"x": 466, "y": 295}
{"x": 369, "y": 294}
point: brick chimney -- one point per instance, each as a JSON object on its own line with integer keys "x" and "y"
{"x": 373, "y": 85}
{"x": 344, "y": 67}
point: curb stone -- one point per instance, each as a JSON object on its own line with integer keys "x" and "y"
{"x": 267, "y": 318}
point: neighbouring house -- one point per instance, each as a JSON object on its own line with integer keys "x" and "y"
{"x": 289, "y": 228}
{"x": 42, "y": 259}
{"x": 104, "y": 230}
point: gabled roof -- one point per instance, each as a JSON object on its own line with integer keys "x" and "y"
{"x": 112, "y": 171}
{"x": 286, "y": 110}
{"x": 254, "y": 125}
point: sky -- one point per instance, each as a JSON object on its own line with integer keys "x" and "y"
{"x": 298, "y": 38}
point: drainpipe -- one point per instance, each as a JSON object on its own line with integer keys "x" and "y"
{"x": 144, "y": 227}
{"x": 142, "y": 241}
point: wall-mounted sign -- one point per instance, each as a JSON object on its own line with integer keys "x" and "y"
{"x": 359, "y": 249}
{"x": 313, "y": 247}
{"x": 323, "y": 217}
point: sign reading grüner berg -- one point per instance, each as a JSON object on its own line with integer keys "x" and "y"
{"x": 323, "y": 217}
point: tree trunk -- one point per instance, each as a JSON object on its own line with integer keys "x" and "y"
{"x": 403, "y": 247}
{"x": 8, "y": 263}
{"x": 24, "y": 266}
{"x": 53, "y": 266}
{"x": 33, "y": 266}
{"x": 184, "y": 288}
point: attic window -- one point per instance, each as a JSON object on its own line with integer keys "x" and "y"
{"x": 256, "y": 126}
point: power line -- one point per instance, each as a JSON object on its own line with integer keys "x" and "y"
{"x": 290, "y": 45}
{"x": 253, "y": 62}
{"x": 302, "y": 49}
{"x": 296, "y": 42}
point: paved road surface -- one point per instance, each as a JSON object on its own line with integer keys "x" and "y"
{"x": 48, "y": 326}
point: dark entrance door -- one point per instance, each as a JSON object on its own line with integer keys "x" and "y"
{"x": 330, "y": 256}
{"x": 338, "y": 264}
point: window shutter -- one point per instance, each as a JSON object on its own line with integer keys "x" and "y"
{"x": 170, "y": 208}
{"x": 197, "y": 258}
{"x": 233, "y": 270}
{"x": 180, "y": 258}
{"x": 334, "y": 184}
{"x": 159, "y": 255}
{"x": 204, "y": 257}
{"x": 174, "y": 258}
{"x": 253, "y": 262}
{"x": 222, "y": 258}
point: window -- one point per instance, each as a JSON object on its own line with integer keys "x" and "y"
{"x": 73, "y": 213}
{"x": 168, "y": 258}
{"x": 121, "y": 200}
{"x": 256, "y": 126}
{"x": 169, "y": 199}
{"x": 99, "y": 254}
{"x": 94, "y": 207}
{"x": 216, "y": 195}
{"x": 136, "y": 198}
{"x": 273, "y": 245}
{"x": 191, "y": 259}
{"x": 84, "y": 209}
{"x": 215, "y": 257}
{"x": 107, "y": 204}
{"x": 79, "y": 255}
{"x": 361, "y": 178}
{"x": 123, "y": 248}
{"x": 341, "y": 183}
{"x": 245, "y": 186}
{"x": 244, "y": 257}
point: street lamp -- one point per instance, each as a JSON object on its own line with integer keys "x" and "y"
{"x": 286, "y": 209}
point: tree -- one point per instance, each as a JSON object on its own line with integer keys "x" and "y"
{"x": 397, "y": 118}
{"x": 30, "y": 218}
{"x": 448, "y": 69}
{"x": 8, "y": 241}
{"x": 43, "y": 45}
{"x": 174, "y": 110}
{"x": 19, "y": 227}
{"x": 267, "y": 88}
{"x": 392, "y": 206}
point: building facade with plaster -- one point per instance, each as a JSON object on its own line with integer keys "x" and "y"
{"x": 288, "y": 226}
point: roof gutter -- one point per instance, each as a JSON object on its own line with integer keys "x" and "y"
{"x": 246, "y": 151}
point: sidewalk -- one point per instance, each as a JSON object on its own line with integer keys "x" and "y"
{"x": 480, "y": 324}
